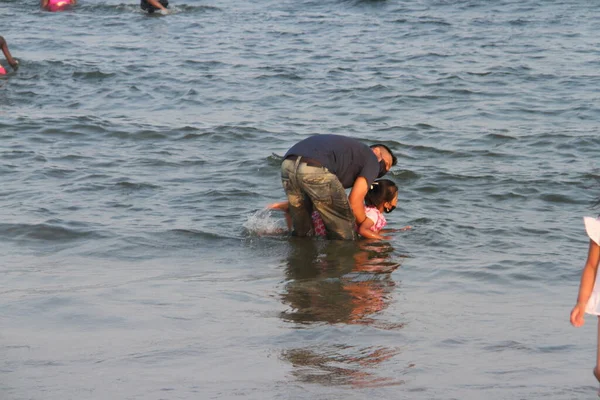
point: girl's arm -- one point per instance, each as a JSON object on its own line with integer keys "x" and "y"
{"x": 588, "y": 278}
{"x": 365, "y": 230}
{"x": 43, "y": 3}
{"x": 390, "y": 230}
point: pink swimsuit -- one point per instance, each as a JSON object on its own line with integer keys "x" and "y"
{"x": 378, "y": 219}
{"x": 58, "y": 5}
{"x": 372, "y": 213}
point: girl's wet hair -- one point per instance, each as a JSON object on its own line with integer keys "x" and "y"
{"x": 381, "y": 190}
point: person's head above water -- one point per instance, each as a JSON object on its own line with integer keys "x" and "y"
{"x": 155, "y": 5}
{"x": 386, "y": 158}
{"x": 382, "y": 195}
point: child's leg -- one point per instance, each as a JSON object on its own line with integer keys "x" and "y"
{"x": 597, "y": 367}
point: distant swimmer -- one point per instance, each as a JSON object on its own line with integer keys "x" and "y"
{"x": 155, "y": 5}
{"x": 57, "y": 5}
{"x": 13, "y": 63}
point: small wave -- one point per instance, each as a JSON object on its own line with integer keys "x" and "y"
{"x": 131, "y": 186}
{"x": 431, "y": 55}
{"x": 523, "y": 277}
{"x": 365, "y": 2}
{"x": 507, "y": 196}
{"x": 192, "y": 233}
{"x": 151, "y": 244}
{"x": 96, "y": 74}
{"x": 506, "y": 70}
{"x": 499, "y": 136}
{"x": 74, "y": 157}
{"x": 157, "y": 162}
{"x": 145, "y": 134}
{"x": 280, "y": 75}
{"x": 195, "y": 136}
{"x": 508, "y": 345}
{"x": 486, "y": 73}
{"x": 17, "y": 154}
{"x": 226, "y": 134}
{"x": 519, "y": 22}
{"x": 405, "y": 175}
{"x": 421, "y": 126}
{"x": 558, "y": 198}
{"x": 44, "y": 232}
{"x": 202, "y": 65}
{"x": 58, "y": 172}
{"x": 61, "y": 132}
{"x": 372, "y": 88}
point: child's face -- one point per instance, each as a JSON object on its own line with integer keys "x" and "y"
{"x": 391, "y": 205}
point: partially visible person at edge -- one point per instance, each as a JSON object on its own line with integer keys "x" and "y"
{"x": 155, "y": 5}
{"x": 381, "y": 197}
{"x": 314, "y": 174}
{"x": 588, "y": 298}
{"x": 11, "y": 61}
{"x": 57, "y": 5}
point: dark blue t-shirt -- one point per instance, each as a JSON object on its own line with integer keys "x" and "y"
{"x": 345, "y": 157}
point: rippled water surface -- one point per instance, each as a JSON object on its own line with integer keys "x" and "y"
{"x": 138, "y": 153}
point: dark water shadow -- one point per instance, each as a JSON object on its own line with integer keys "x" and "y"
{"x": 340, "y": 284}
{"x": 337, "y": 282}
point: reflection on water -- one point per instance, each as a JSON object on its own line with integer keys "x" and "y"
{"x": 337, "y": 282}
{"x": 341, "y": 365}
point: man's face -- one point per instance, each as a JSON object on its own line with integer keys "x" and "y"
{"x": 387, "y": 158}
{"x": 383, "y": 155}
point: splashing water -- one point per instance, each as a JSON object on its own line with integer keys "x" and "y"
{"x": 264, "y": 223}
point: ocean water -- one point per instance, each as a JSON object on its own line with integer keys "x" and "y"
{"x": 138, "y": 153}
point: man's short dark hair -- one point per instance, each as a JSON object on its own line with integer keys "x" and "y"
{"x": 394, "y": 159}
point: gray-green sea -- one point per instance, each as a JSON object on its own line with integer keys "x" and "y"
{"x": 138, "y": 153}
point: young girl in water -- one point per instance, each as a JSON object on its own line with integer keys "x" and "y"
{"x": 57, "y": 5}
{"x": 588, "y": 299}
{"x": 381, "y": 197}
{"x": 13, "y": 63}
